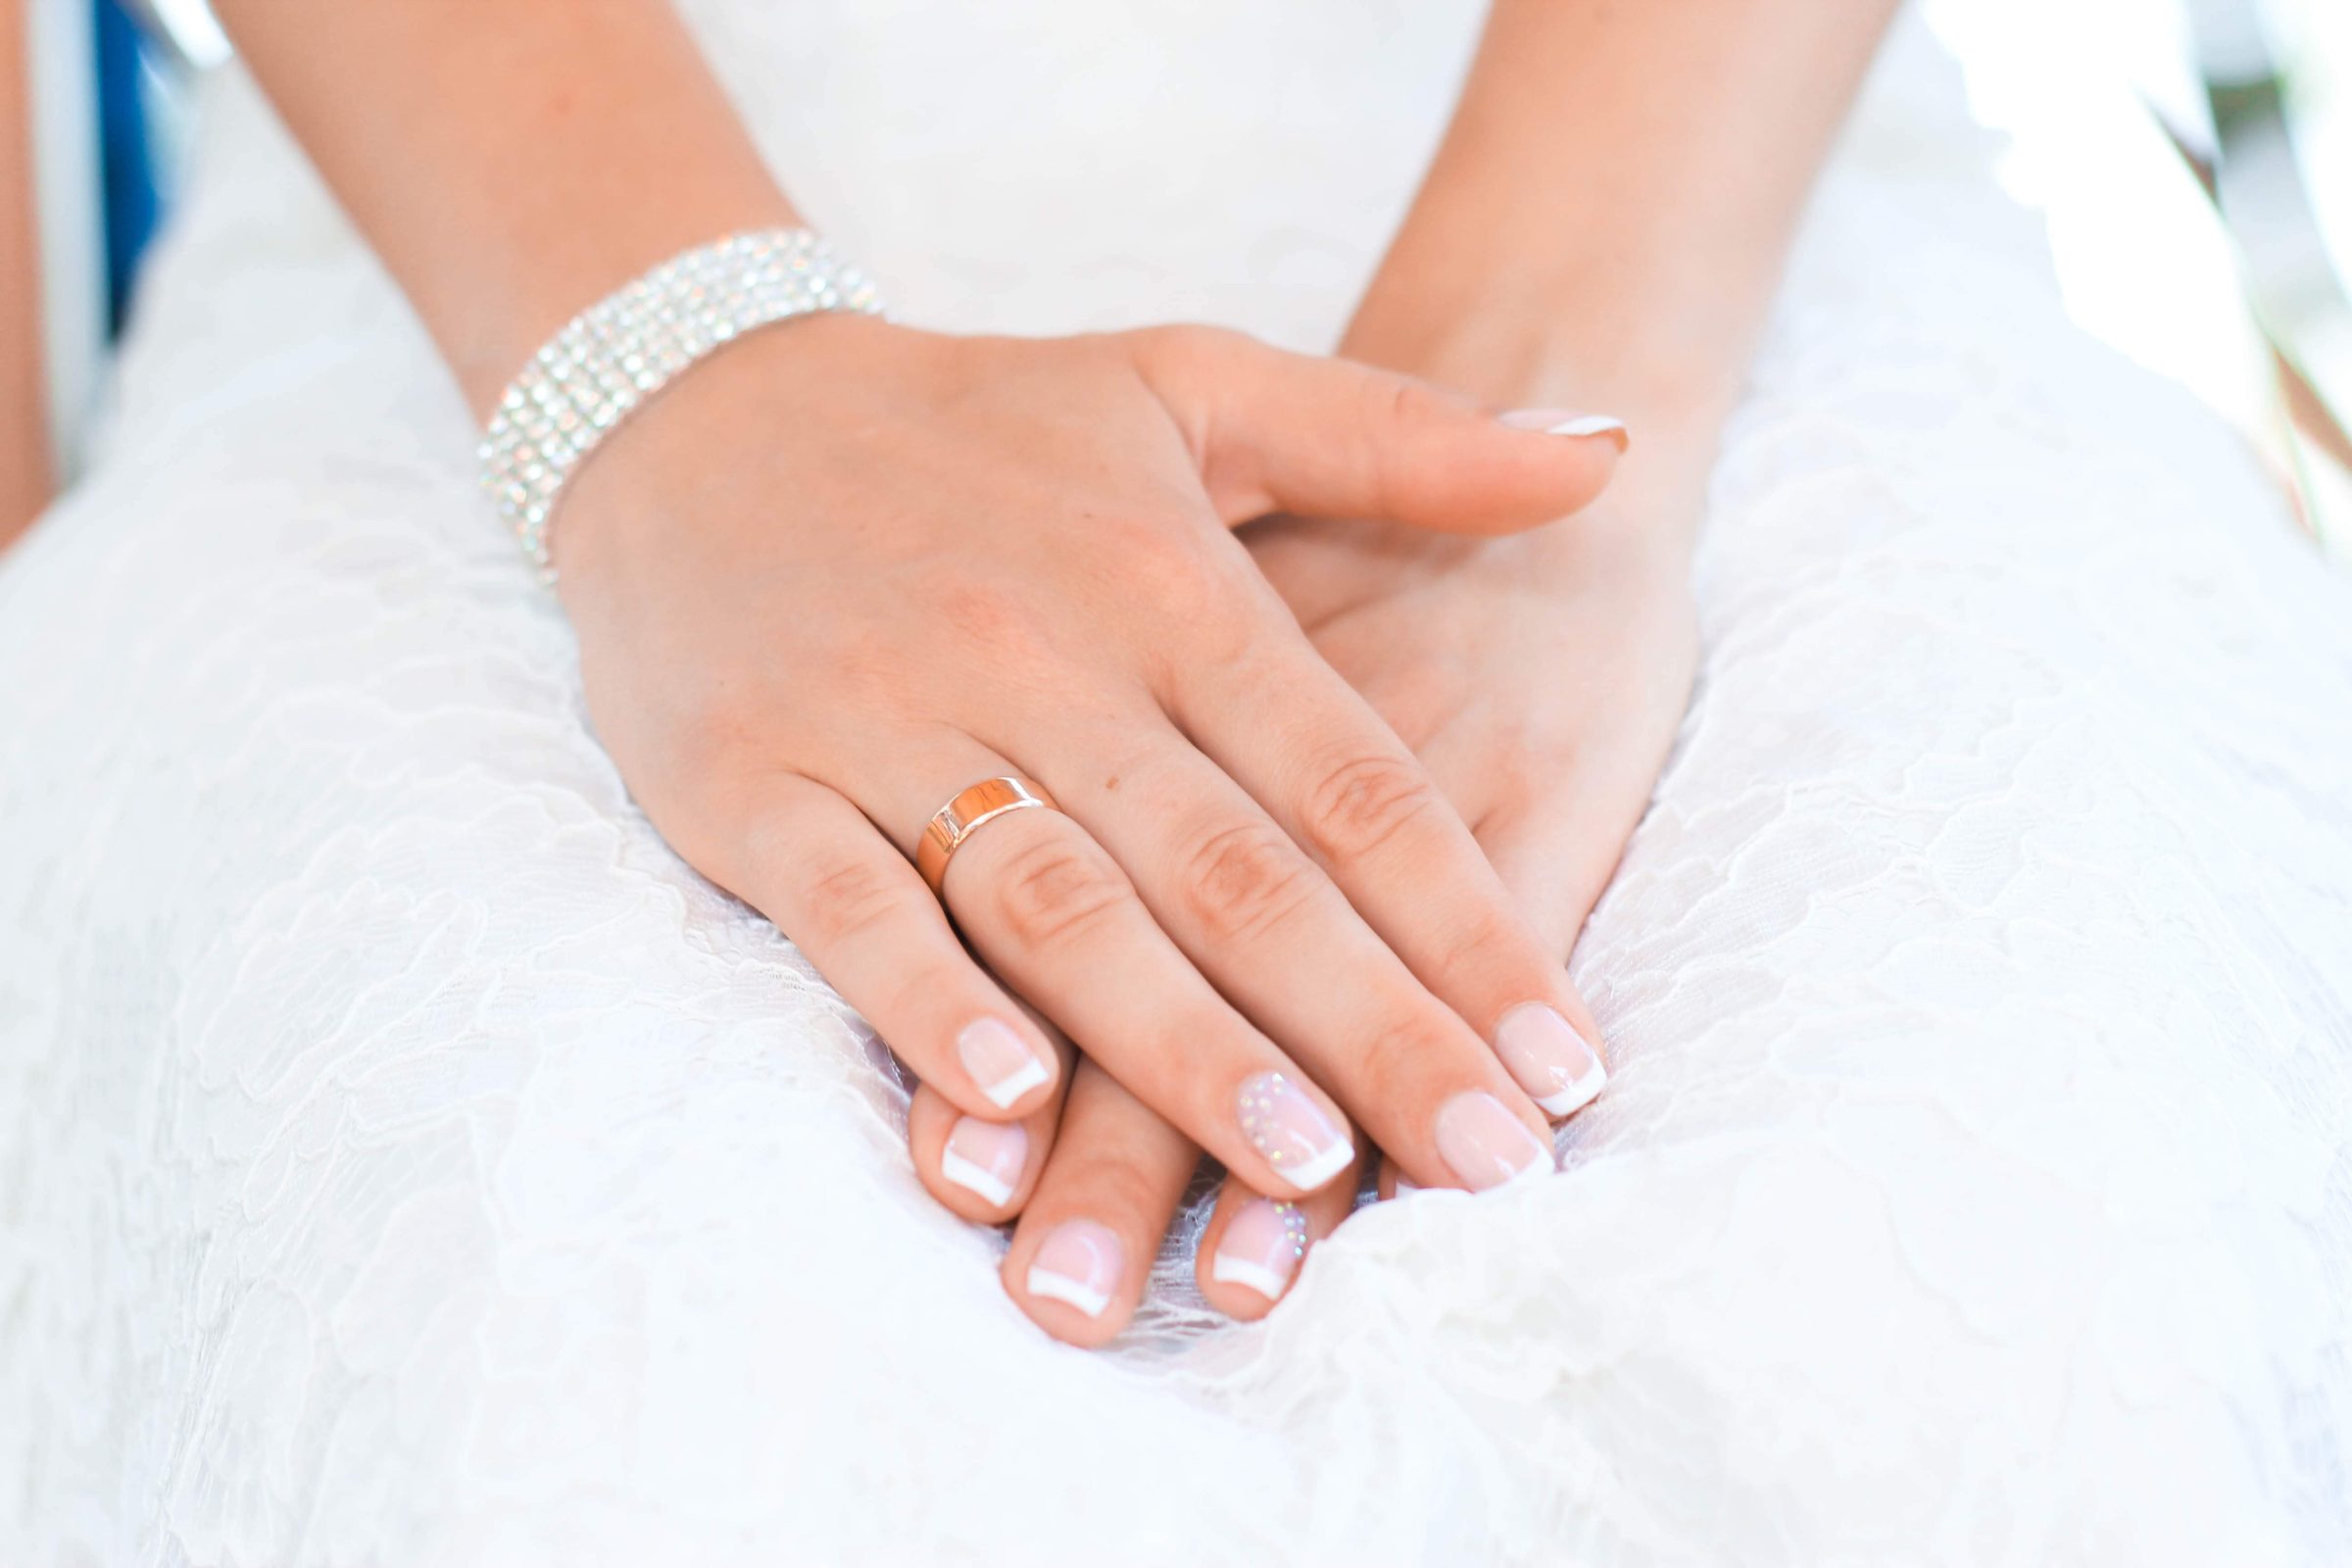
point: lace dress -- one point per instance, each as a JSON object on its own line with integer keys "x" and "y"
{"x": 405, "y": 1158}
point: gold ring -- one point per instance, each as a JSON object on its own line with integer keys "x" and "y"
{"x": 961, "y": 818}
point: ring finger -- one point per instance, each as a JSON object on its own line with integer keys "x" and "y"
{"x": 1052, "y": 913}
{"x": 806, "y": 859}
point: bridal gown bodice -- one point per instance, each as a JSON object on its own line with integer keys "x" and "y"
{"x": 1044, "y": 165}
{"x": 404, "y": 1157}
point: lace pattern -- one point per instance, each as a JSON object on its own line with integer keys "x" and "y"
{"x": 408, "y": 1160}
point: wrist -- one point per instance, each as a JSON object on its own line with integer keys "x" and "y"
{"x": 1533, "y": 351}
{"x": 625, "y": 350}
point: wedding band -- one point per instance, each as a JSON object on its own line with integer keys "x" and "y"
{"x": 961, "y": 818}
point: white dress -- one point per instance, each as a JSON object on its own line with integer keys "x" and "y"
{"x": 403, "y": 1158}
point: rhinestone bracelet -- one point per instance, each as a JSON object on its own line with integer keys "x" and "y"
{"x": 620, "y": 351}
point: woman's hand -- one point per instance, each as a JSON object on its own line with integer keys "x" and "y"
{"x": 846, "y": 569}
{"x": 1541, "y": 679}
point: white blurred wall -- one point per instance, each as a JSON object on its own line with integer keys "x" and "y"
{"x": 65, "y": 128}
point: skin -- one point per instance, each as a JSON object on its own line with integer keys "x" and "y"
{"x": 1234, "y": 817}
{"x": 1255, "y": 869}
{"x": 1540, "y": 679}
{"x": 846, "y": 568}
{"x": 24, "y": 476}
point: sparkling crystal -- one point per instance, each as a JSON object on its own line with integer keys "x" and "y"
{"x": 627, "y": 346}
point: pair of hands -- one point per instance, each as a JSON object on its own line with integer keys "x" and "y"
{"x": 1334, "y": 796}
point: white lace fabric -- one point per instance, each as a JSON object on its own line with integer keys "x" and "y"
{"x": 405, "y": 1158}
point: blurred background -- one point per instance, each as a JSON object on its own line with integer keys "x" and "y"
{"x": 2206, "y": 233}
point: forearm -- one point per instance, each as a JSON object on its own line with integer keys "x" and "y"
{"x": 510, "y": 161}
{"x": 24, "y": 477}
{"x": 1605, "y": 222}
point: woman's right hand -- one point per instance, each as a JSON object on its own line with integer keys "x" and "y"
{"x": 846, "y": 568}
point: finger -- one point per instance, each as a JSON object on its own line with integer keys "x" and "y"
{"x": 1272, "y": 931}
{"x": 1052, "y": 913}
{"x": 849, "y": 900}
{"x": 982, "y": 1170}
{"x": 1557, "y": 862}
{"x": 1342, "y": 785}
{"x": 1255, "y": 1246}
{"x": 1331, "y": 438}
{"x": 1392, "y": 1182}
{"x": 1084, "y": 1245}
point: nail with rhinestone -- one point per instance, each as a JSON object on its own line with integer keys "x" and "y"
{"x": 1261, "y": 1248}
{"x": 1298, "y": 1139}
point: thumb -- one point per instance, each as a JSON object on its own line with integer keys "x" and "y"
{"x": 1276, "y": 431}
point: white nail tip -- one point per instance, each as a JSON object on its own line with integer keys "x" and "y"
{"x": 1062, "y": 1287}
{"x": 974, "y": 1178}
{"x": 1251, "y": 1276}
{"x": 1315, "y": 1172}
{"x": 1590, "y": 424}
{"x": 1534, "y": 1170}
{"x": 1577, "y": 1094}
{"x": 1005, "y": 1090}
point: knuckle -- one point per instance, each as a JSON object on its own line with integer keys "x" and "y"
{"x": 1393, "y": 1065}
{"x": 1363, "y": 801}
{"x": 1478, "y": 954}
{"x": 716, "y": 803}
{"x": 1197, "y": 601}
{"x": 709, "y": 749}
{"x": 1162, "y": 563}
{"x": 1404, "y": 400}
{"x": 989, "y": 614}
{"x": 844, "y": 897}
{"x": 1188, "y": 346}
{"x": 862, "y": 675}
{"x": 1055, "y": 887}
{"x": 1244, "y": 879}
{"x": 1117, "y": 1189}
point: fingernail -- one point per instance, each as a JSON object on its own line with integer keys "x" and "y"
{"x": 1079, "y": 1265}
{"x": 1306, "y": 1147}
{"x": 1486, "y": 1145}
{"x": 1001, "y": 1063}
{"x": 1557, "y": 1067}
{"x": 986, "y": 1157}
{"x": 1567, "y": 421}
{"x": 1261, "y": 1248}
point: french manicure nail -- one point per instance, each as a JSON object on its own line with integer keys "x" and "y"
{"x": 1487, "y": 1146}
{"x": 986, "y": 1157}
{"x": 1557, "y": 1067}
{"x": 1261, "y": 1248}
{"x": 1567, "y": 421}
{"x": 1001, "y": 1062}
{"x": 1304, "y": 1145}
{"x": 1079, "y": 1265}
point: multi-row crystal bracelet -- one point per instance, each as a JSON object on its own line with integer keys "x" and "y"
{"x": 615, "y": 355}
